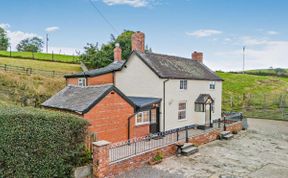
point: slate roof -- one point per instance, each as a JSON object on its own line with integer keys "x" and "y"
{"x": 174, "y": 67}
{"x": 144, "y": 101}
{"x": 164, "y": 66}
{"x": 202, "y": 98}
{"x": 80, "y": 99}
{"x": 115, "y": 66}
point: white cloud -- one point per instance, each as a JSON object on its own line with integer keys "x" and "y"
{"x": 52, "y": 29}
{"x": 133, "y": 3}
{"x": 4, "y": 25}
{"x": 271, "y": 32}
{"x": 260, "y": 53}
{"x": 16, "y": 36}
{"x": 204, "y": 33}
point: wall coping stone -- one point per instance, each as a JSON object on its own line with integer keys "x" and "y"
{"x": 101, "y": 143}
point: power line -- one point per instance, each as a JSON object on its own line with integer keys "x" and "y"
{"x": 102, "y": 15}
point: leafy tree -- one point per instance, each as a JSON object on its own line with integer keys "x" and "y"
{"x": 4, "y": 40}
{"x": 34, "y": 44}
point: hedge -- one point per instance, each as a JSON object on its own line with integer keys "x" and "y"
{"x": 40, "y": 143}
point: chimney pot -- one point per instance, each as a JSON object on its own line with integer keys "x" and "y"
{"x": 117, "y": 52}
{"x": 197, "y": 56}
{"x": 138, "y": 41}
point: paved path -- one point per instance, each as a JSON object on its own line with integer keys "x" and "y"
{"x": 260, "y": 152}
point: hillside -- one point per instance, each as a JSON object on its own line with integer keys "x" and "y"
{"x": 27, "y": 90}
{"x": 41, "y": 56}
{"x": 16, "y": 87}
{"x": 41, "y": 65}
{"x": 256, "y": 96}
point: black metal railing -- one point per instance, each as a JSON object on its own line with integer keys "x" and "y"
{"x": 123, "y": 150}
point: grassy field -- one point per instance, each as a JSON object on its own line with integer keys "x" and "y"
{"x": 41, "y": 56}
{"x": 29, "y": 90}
{"x": 256, "y": 96}
{"x": 42, "y": 65}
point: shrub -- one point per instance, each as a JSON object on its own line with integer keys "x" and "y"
{"x": 40, "y": 143}
{"x": 158, "y": 157}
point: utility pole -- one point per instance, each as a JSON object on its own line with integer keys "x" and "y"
{"x": 10, "y": 51}
{"x": 47, "y": 39}
{"x": 244, "y": 48}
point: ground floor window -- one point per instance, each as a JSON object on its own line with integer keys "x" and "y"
{"x": 142, "y": 118}
{"x": 153, "y": 116}
{"x": 182, "y": 110}
{"x": 199, "y": 107}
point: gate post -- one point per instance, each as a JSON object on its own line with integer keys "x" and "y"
{"x": 101, "y": 158}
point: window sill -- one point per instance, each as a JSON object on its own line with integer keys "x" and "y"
{"x": 140, "y": 125}
{"x": 182, "y": 120}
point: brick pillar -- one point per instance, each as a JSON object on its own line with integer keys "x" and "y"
{"x": 101, "y": 158}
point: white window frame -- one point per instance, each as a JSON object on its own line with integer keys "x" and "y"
{"x": 82, "y": 82}
{"x": 212, "y": 85}
{"x": 183, "y": 85}
{"x": 143, "y": 122}
{"x": 182, "y": 110}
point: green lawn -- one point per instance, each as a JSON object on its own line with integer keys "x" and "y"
{"x": 41, "y": 56}
{"x": 42, "y": 65}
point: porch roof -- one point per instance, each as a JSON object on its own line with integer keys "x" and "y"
{"x": 144, "y": 102}
{"x": 202, "y": 98}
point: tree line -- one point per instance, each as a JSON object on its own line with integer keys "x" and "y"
{"x": 34, "y": 44}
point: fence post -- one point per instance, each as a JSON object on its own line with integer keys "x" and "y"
{"x": 224, "y": 121}
{"x": 177, "y": 134}
{"x": 186, "y": 130}
{"x": 5, "y": 67}
{"x": 219, "y": 124}
{"x": 101, "y": 158}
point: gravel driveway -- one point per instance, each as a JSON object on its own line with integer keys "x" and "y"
{"x": 260, "y": 152}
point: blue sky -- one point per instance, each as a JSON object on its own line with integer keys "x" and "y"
{"x": 219, "y": 28}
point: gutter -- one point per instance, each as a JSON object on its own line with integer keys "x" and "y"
{"x": 164, "y": 105}
{"x": 129, "y": 125}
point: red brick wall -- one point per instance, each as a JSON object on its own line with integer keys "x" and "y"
{"x": 139, "y": 160}
{"x": 205, "y": 138}
{"x": 109, "y": 118}
{"x": 98, "y": 80}
{"x": 101, "y": 79}
{"x": 72, "y": 81}
{"x": 235, "y": 127}
{"x": 142, "y": 130}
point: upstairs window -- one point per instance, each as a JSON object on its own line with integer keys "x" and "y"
{"x": 212, "y": 85}
{"x": 183, "y": 84}
{"x": 182, "y": 110}
{"x": 82, "y": 82}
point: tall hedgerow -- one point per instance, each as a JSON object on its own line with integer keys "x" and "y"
{"x": 40, "y": 143}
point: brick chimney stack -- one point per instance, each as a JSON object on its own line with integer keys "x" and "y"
{"x": 197, "y": 56}
{"x": 138, "y": 41}
{"x": 117, "y": 52}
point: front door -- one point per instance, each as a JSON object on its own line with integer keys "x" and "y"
{"x": 207, "y": 115}
{"x": 154, "y": 121}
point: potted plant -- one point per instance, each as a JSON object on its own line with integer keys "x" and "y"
{"x": 157, "y": 158}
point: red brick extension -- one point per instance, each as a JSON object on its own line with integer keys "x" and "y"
{"x": 109, "y": 119}
{"x": 102, "y": 168}
{"x": 97, "y": 80}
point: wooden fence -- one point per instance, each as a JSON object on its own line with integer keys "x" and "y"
{"x": 30, "y": 71}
